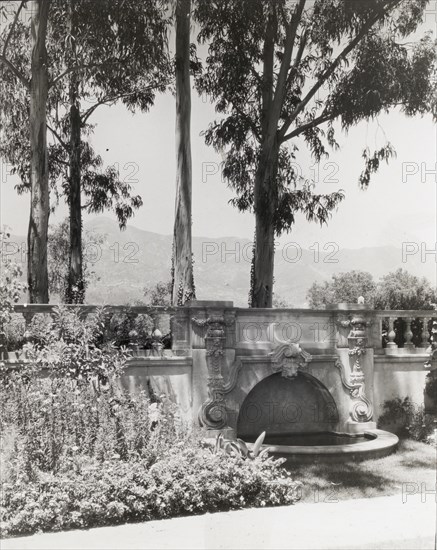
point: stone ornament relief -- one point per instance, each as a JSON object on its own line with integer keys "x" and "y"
{"x": 289, "y": 359}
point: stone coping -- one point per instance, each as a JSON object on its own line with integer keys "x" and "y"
{"x": 47, "y": 308}
{"x": 379, "y": 444}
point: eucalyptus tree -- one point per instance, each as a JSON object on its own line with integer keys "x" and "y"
{"x": 183, "y": 288}
{"x": 59, "y": 248}
{"x": 283, "y": 72}
{"x": 120, "y": 50}
{"x": 25, "y": 76}
{"x": 97, "y": 54}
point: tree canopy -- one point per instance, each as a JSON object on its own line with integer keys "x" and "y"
{"x": 343, "y": 287}
{"x": 397, "y": 290}
{"x": 97, "y": 54}
{"x": 120, "y": 55}
{"x": 402, "y": 290}
{"x": 286, "y": 74}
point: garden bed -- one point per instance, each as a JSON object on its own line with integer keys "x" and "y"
{"x": 79, "y": 454}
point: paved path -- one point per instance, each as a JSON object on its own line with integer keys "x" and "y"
{"x": 377, "y": 523}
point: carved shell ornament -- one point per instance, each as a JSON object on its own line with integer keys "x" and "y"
{"x": 289, "y": 359}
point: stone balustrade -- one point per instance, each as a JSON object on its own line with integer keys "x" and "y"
{"x": 406, "y": 332}
{"x": 159, "y": 321}
{"x": 218, "y": 351}
{"x": 390, "y": 332}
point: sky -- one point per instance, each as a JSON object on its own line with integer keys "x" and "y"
{"x": 399, "y": 206}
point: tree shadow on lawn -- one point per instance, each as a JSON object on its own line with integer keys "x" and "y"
{"x": 413, "y": 462}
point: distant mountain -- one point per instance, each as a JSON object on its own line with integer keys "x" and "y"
{"x": 131, "y": 259}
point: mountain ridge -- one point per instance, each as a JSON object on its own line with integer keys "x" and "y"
{"x": 129, "y": 260}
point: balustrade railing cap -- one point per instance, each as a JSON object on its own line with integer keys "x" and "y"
{"x": 431, "y": 313}
{"x": 209, "y": 303}
{"x": 347, "y": 306}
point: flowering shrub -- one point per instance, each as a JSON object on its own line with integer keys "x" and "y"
{"x": 10, "y": 285}
{"x": 183, "y": 482}
{"x": 76, "y": 455}
{"x": 56, "y": 424}
{"x": 69, "y": 325}
{"x": 431, "y": 387}
{"x": 410, "y": 420}
{"x": 78, "y": 451}
{"x": 14, "y": 333}
{"x": 69, "y": 345}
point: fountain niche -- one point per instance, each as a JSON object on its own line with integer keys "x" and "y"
{"x": 302, "y": 419}
{"x": 288, "y": 410}
{"x": 314, "y": 399}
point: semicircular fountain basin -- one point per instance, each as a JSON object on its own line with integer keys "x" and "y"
{"x": 331, "y": 446}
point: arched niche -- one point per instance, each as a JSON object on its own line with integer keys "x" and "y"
{"x": 280, "y": 406}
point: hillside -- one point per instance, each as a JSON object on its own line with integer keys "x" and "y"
{"x": 132, "y": 259}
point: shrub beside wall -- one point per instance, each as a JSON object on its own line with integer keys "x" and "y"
{"x": 182, "y": 482}
{"x": 76, "y": 453}
{"x": 407, "y": 420}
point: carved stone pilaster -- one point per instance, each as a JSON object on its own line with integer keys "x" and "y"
{"x": 230, "y": 329}
{"x": 359, "y": 325}
{"x": 353, "y": 379}
{"x": 357, "y": 375}
{"x": 361, "y": 409}
{"x": 212, "y": 413}
{"x": 357, "y": 340}
{"x": 289, "y": 359}
{"x": 342, "y": 322}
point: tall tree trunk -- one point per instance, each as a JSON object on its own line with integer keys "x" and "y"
{"x": 37, "y": 276}
{"x": 266, "y": 193}
{"x": 76, "y": 289}
{"x": 75, "y": 285}
{"x": 264, "y": 250}
{"x": 261, "y": 284}
{"x": 183, "y": 280}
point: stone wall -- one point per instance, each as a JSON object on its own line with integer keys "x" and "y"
{"x": 237, "y": 350}
{"x": 221, "y": 355}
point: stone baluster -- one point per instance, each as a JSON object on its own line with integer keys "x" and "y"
{"x": 408, "y": 334}
{"x": 425, "y": 333}
{"x": 181, "y": 333}
{"x": 28, "y": 316}
{"x": 133, "y": 334}
{"x": 391, "y": 335}
{"x": 157, "y": 345}
{"x": 433, "y": 338}
{"x": 2, "y": 344}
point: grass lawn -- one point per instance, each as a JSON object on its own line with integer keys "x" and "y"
{"x": 413, "y": 462}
